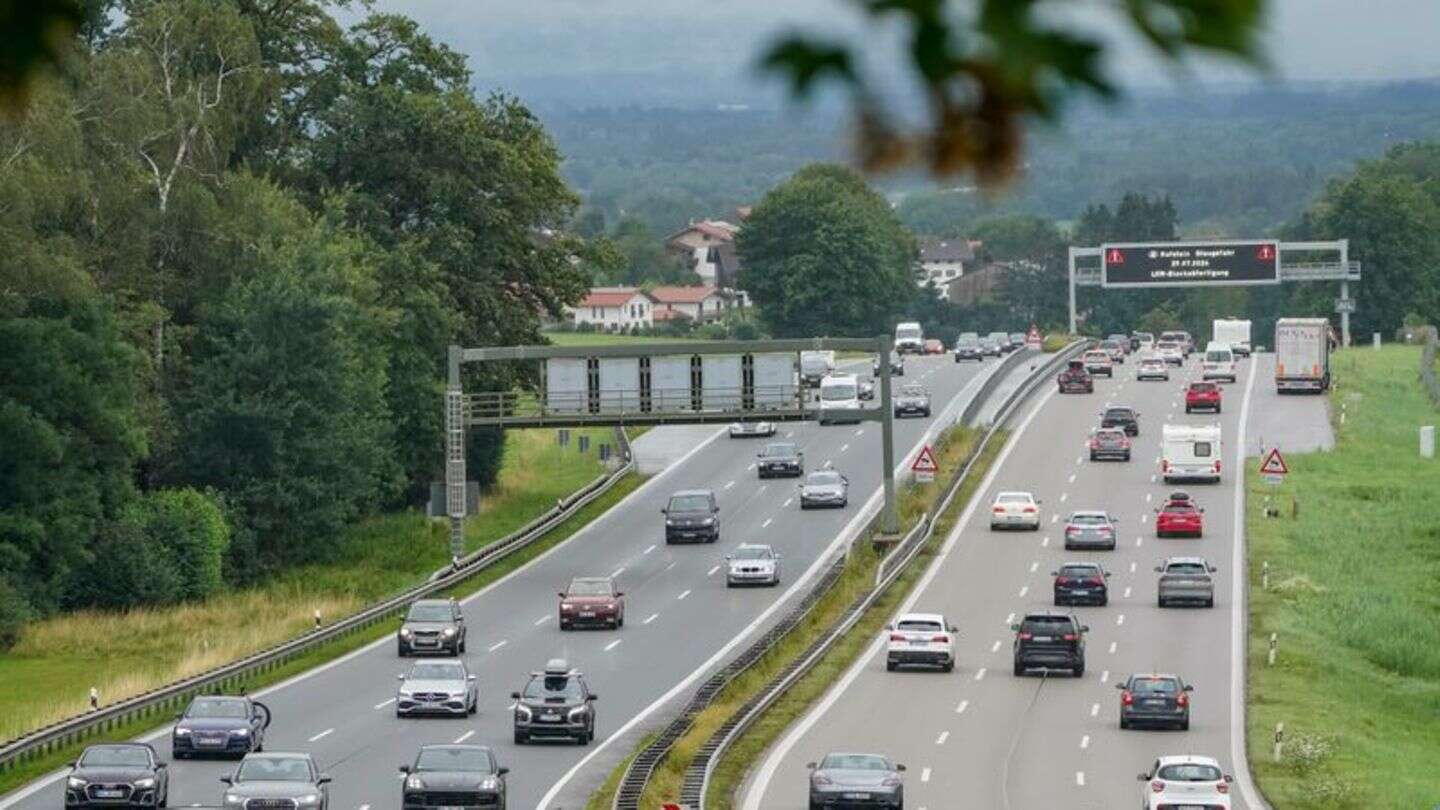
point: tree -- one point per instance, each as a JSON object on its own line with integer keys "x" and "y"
{"x": 644, "y": 258}
{"x": 823, "y": 254}
{"x": 1034, "y": 280}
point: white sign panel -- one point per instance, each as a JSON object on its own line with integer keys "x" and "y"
{"x": 566, "y": 385}
{"x": 670, "y": 382}
{"x": 619, "y": 384}
{"x": 720, "y": 381}
{"x": 774, "y": 380}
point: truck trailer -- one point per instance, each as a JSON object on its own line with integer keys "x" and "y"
{"x": 1302, "y": 355}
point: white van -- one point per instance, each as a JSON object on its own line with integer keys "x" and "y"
{"x": 1190, "y": 453}
{"x": 1219, "y": 362}
{"x": 909, "y": 337}
{"x": 838, "y": 392}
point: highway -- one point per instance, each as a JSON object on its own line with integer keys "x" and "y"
{"x": 680, "y": 622}
{"x": 981, "y": 737}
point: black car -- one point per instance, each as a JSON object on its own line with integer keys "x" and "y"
{"x": 126, "y": 775}
{"x": 445, "y": 776}
{"x": 1049, "y": 641}
{"x": 780, "y": 458}
{"x": 217, "y": 724}
{"x": 692, "y": 514}
{"x": 1081, "y": 583}
{"x": 1160, "y": 700}
{"x": 432, "y": 626}
{"x": 1123, "y": 417}
{"x": 555, "y": 705}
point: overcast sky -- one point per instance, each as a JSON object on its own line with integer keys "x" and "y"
{"x": 673, "y": 41}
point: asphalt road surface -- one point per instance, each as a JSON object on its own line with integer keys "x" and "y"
{"x": 680, "y": 622}
{"x": 981, "y": 737}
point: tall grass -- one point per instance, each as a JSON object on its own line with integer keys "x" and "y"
{"x": 1354, "y": 599}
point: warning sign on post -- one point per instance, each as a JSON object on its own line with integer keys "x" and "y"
{"x": 1273, "y": 467}
{"x": 1032, "y": 339}
{"x": 924, "y": 466}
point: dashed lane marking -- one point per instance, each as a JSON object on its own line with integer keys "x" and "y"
{"x": 1034, "y": 566}
{"x": 1119, "y": 620}
{"x": 542, "y": 620}
{"x": 1024, "y": 589}
{"x": 463, "y": 737}
{"x": 924, "y": 774}
{"x": 1095, "y": 710}
{"x": 612, "y": 645}
{"x": 964, "y": 704}
{"x": 682, "y": 595}
{"x": 788, "y": 501}
{"x": 497, "y": 645}
{"x": 382, "y": 704}
{"x": 1064, "y": 496}
{"x": 980, "y": 674}
{"x": 322, "y": 735}
{"x": 1113, "y": 647}
{"x": 1010, "y": 619}
{"x": 1127, "y": 592}
{"x": 729, "y": 484}
{"x": 1072, "y": 478}
{"x": 650, "y": 549}
{"x": 944, "y": 735}
{"x": 1105, "y": 676}
{"x": 1080, "y": 778}
{"x": 844, "y": 447}
{"x": 767, "y": 523}
{"x": 1132, "y": 567}
{"x": 618, "y": 571}
{"x": 995, "y": 647}
{"x": 1084, "y": 742}
{"x": 653, "y": 617}
{"x": 712, "y": 571}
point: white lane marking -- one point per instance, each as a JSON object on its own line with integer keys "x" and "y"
{"x": 980, "y": 674}
{"x": 1152, "y": 479}
{"x": 1009, "y": 620}
{"x": 924, "y": 774}
{"x": 382, "y": 704}
{"x": 1034, "y": 565}
{"x": 860, "y": 432}
{"x": 1148, "y": 496}
{"x": 767, "y": 522}
{"x": 995, "y": 647}
{"x": 1054, "y": 518}
{"x": 844, "y": 447}
{"x": 1045, "y": 543}
{"x": 1144, "y": 518}
{"x": 944, "y": 735}
{"x": 1024, "y": 589}
{"x": 1095, "y": 710}
{"x": 618, "y": 571}
{"x": 322, "y": 735}
{"x": 964, "y": 704}
{"x": 650, "y": 549}
{"x": 1079, "y": 460}
{"x": 1072, "y": 478}
{"x": 612, "y": 645}
{"x": 463, "y": 737}
{"x": 712, "y": 571}
{"x": 1084, "y": 742}
{"x": 1138, "y": 541}
{"x": 653, "y": 617}
{"x": 542, "y": 620}
{"x": 1127, "y": 592}
{"x": 751, "y": 467}
{"x": 762, "y": 489}
{"x": 497, "y": 645}
{"x": 1132, "y": 567}
{"x": 789, "y": 434}
{"x": 788, "y": 501}
{"x": 1113, "y": 646}
{"x": 1105, "y": 676}
{"x": 1080, "y": 778}
{"x": 1064, "y": 496}
{"x": 729, "y": 484}
{"x": 682, "y": 595}
{"x": 1238, "y": 612}
{"x": 1119, "y": 620}
{"x": 672, "y": 564}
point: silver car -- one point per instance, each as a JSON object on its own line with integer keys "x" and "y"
{"x": 437, "y": 687}
{"x": 913, "y": 400}
{"x": 1186, "y": 580}
{"x": 1090, "y": 529}
{"x": 752, "y": 564}
{"x": 743, "y": 430}
{"x": 825, "y": 488}
{"x": 274, "y": 780}
{"x": 856, "y": 780}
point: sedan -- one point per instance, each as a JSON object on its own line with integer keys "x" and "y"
{"x": 1080, "y": 583}
{"x": 1091, "y": 529}
{"x": 1097, "y": 361}
{"x": 437, "y": 687}
{"x": 1015, "y": 510}
{"x": 593, "y": 601}
{"x": 1120, "y": 416}
{"x": 1160, "y": 700}
{"x": 216, "y": 724}
{"x": 752, "y": 564}
{"x": 128, "y": 775}
{"x": 1185, "y": 781}
{"x": 278, "y": 781}
{"x": 913, "y": 400}
{"x": 780, "y": 458}
{"x": 825, "y": 488}
{"x": 745, "y": 430}
{"x": 1186, "y": 580}
{"x": 933, "y": 346}
{"x": 1152, "y": 368}
{"x": 445, "y": 776}
{"x": 856, "y": 780}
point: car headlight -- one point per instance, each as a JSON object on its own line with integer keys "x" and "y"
{"x": 490, "y": 783}
{"x": 147, "y": 782}
{"x": 710, "y": 521}
{"x": 76, "y": 782}
{"x": 231, "y": 798}
{"x": 308, "y": 798}
{"x": 241, "y": 732}
{"x": 449, "y": 631}
{"x": 181, "y": 731}
{"x": 577, "y": 714}
{"x": 414, "y": 783}
{"x": 404, "y": 632}
{"x": 522, "y": 712}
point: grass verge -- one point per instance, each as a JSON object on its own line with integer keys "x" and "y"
{"x": 1054, "y": 343}
{"x": 1354, "y": 599}
{"x": 606, "y": 339}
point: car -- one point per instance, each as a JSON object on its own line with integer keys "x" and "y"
{"x": 1002, "y": 341}
{"x": 1152, "y": 368}
{"x": 856, "y": 781}
{"x": 1141, "y": 341}
{"x": 989, "y": 347}
{"x": 1116, "y": 350}
{"x": 1109, "y": 443}
{"x": 1155, "y": 700}
{"x": 752, "y": 564}
{"x": 432, "y": 626}
{"x": 1090, "y": 528}
{"x": 1074, "y": 379}
{"x": 437, "y": 687}
{"x": 968, "y": 348}
{"x": 1185, "y": 580}
{"x": 865, "y": 389}
{"x": 1097, "y": 361}
{"x": 1123, "y": 341}
{"x": 446, "y": 776}
{"x": 1218, "y": 363}
{"x": 934, "y": 346}
{"x": 1171, "y": 352}
{"x": 897, "y": 365}
{"x": 920, "y": 639}
{"x": 913, "y": 400}
{"x": 1015, "y": 510}
{"x": 1049, "y": 641}
{"x": 1180, "y": 339}
{"x": 594, "y": 601}
{"x": 692, "y": 514}
{"x": 1079, "y": 583}
{"x": 1179, "y": 516}
{"x": 1123, "y": 417}
{"x": 277, "y": 780}
{"x": 220, "y": 724}
{"x": 128, "y": 775}
{"x": 1185, "y": 781}
{"x": 556, "y": 704}
{"x": 825, "y": 488}
{"x": 780, "y": 458}
{"x": 746, "y": 430}
{"x": 1202, "y": 396}
{"x": 1017, "y": 339}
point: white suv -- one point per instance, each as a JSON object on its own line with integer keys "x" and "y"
{"x": 921, "y": 639}
{"x": 1187, "y": 781}
{"x": 1015, "y": 510}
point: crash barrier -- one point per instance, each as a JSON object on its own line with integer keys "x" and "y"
{"x": 161, "y": 704}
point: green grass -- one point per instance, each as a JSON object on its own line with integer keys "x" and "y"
{"x": 1054, "y": 343}
{"x": 144, "y": 648}
{"x": 605, "y": 339}
{"x": 1354, "y": 598}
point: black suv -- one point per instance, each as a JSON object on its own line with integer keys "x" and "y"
{"x": 555, "y": 705}
{"x": 127, "y": 775}
{"x": 780, "y": 458}
{"x": 692, "y": 514}
{"x": 1078, "y": 583}
{"x": 1162, "y": 700}
{"x": 453, "y": 776}
{"x": 432, "y": 626}
{"x": 1123, "y": 417}
{"x": 1050, "y": 641}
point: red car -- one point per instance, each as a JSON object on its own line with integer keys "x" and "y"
{"x": 593, "y": 601}
{"x": 933, "y": 346}
{"x": 1202, "y": 396}
{"x": 1179, "y": 517}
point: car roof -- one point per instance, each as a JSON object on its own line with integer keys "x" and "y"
{"x": 454, "y": 747}
{"x": 1156, "y": 675}
{"x": 590, "y": 579}
{"x": 1079, "y": 564}
{"x": 432, "y": 601}
{"x": 765, "y": 546}
{"x": 1050, "y": 614}
{"x": 279, "y": 755}
{"x": 921, "y": 617}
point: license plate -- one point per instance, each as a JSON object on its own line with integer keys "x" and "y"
{"x": 1013, "y": 518}
{"x": 211, "y": 741}
{"x": 587, "y": 614}
{"x": 449, "y": 807}
{"x": 1044, "y": 638}
{"x": 1080, "y": 592}
{"x": 108, "y": 794}
{"x": 1155, "y": 704}
{"x": 860, "y": 796}
{"x": 552, "y": 716}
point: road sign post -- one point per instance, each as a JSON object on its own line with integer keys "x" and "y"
{"x": 1033, "y": 339}
{"x": 1273, "y": 467}
{"x": 924, "y": 466}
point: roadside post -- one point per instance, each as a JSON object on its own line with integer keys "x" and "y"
{"x": 924, "y": 466}
{"x": 1427, "y": 441}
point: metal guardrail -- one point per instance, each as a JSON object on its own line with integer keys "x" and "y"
{"x": 159, "y": 704}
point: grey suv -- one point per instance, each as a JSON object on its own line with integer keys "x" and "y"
{"x": 692, "y": 514}
{"x": 453, "y": 776}
{"x": 555, "y": 704}
{"x": 1186, "y": 579}
{"x": 1161, "y": 700}
{"x": 1049, "y": 641}
{"x": 276, "y": 782}
{"x": 432, "y": 626}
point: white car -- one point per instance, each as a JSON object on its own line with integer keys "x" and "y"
{"x": 752, "y": 564}
{"x": 1152, "y": 368}
{"x": 920, "y": 639}
{"x": 1015, "y": 510}
{"x": 740, "y": 430}
{"x": 1182, "y": 782}
{"x": 1172, "y": 353}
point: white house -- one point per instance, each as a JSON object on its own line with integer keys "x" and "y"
{"x": 615, "y": 308}
{"x": 697, "y": 303}
{"x": 943, "y": 260}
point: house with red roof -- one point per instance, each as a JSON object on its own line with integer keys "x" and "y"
{"x": 700, "y": 304}
{"x": 709, "y": 246}
{"x": 615, "y": 308}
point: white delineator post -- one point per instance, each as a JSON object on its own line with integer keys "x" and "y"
{"x": 1427, "y": 441}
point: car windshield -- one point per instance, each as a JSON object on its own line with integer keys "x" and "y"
{"x": 780, "y": 450}
{"x": 969, "y": 341}
{"x": 553, "y": 687}
{"x": 689, "y": 503}
{"x": 430, "y": 613}
{"x": 912, "y": 390}
{"x": 1079, "y": 571}
{"x": 1155, "y": 686}
{"x": 838, "y": 392}
{"x": 437, "y": 671}
{"x": 453, "y": 759}
{"x": 1203, "y": 388}
{"x": 854, "y": 762}
{"x": 1152, "y": 361}
{"x": 1089, "y": 519}
{"x": 1179, "y": 507}
{"x": 1047, "y": 625}
{"x": 920, "y": 625}
{"x": 1119, "y": 413}
{"x": 823, "y": 479}
{"x": 1096, "y": 356}
{"x": 1218, "y": 357}
{"x": 1189, "y": 772}
{"x": 589, "y": 587}
{"x": 1186, "y": 569}
{"x": 273, "y": 769}
{"x": 1109, "y": 344}
{"x": 908, "y": 332}
{"x": 754, "y": 553}
{"x": 218, "y": 707}
{"x": 115, "y": 756}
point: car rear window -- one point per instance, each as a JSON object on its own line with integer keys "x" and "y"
{"x": 1178, "y": 508}
{"x": 917, "y": 625}
{"x": 689, "y": 503}
{"x": 1203, "y": 388}
{"x": 1161, "y": 686}
{"x": 1189, "y": 772}
{"x": 1186, "y": 569}
{"x": 1013, "y": 498}
{"x": 1079, "y": 571}
{"x": 1219, "y": 357}
{"x": 1202, "y": 449}
{"x": 1089, "y": 520}
{"x": 1047, "y": 625}
{"x": 1120, "y": 413}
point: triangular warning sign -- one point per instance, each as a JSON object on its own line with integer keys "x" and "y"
{"x": 1274, "y": 463}
{"x": 925, "y": 462}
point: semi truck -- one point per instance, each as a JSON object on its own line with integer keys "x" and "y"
{"x": 1302, "y": 355}
{"x": 1234, "y": 332}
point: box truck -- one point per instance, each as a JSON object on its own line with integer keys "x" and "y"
{"x": 1302, "y": 355}
{"x": 1234, "y": 332}
{"x": 909, "y": 338}
{"x": 816, "y": 366}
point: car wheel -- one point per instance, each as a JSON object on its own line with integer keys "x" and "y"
{"x": 621, "y": 622}
{"x": 460, "y": 647}
{"x": 401, "y": 651}
{"x": 177, "y": 754}
{"x": 891, "y": 666}
{"x": 1019, "y": 670}
{"x": 564, "y": 625}
{"x": 521, "y": 738}
{"x": 164, "y": 799}
{"x": 1104, "y": 601}
{"x": 948, "y": 667}
{"x": 1124, "y": 724}
{"x": 474, "y": 707}
{"x": 1160, "y": 602}
{"x": 1079, "y": 671}
{"x": 1092, "y": 456}
{"x": 1185, "y": 724}
{"x": 1210, "y": 603}
{"x": 844, "y": 503}
{"x": 1217, "y": 409}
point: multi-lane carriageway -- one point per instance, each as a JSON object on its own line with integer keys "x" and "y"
{"x": 980, "y": 737}
{"x": 680, "y": 622}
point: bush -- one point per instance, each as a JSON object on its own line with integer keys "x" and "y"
{"x": 14, "y": 612}
{"x": 128, "y": 569}
{"x": 191, "y": 530}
